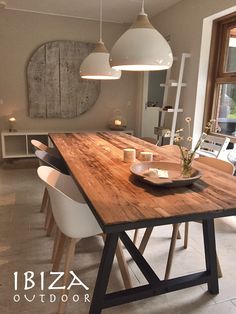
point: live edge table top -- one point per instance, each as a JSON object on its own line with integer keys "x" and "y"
{"x": 121, "y": 202}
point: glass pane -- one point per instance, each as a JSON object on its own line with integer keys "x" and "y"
{"x": 155, "y": 91}
{"x": 231, "y": 60}
{"x": 226, "y": 109}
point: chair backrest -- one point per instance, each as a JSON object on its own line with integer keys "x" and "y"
{"x": 72, "y": 214}
{"x": 49, "y": 160}
{"x": 231, "y": 156}
{"x": 217, "y": 164}
{"x": 150, "y": 140}
{"x": 172, "y": 148}
{"x": 40, "y": 146}
{"x": 213, "y": 145}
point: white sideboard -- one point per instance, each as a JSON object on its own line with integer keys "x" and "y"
{"x": 18, "y": 144}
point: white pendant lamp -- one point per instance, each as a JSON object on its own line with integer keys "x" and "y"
{"x": 96, "y": 65}
{"x": 141, "y": 48}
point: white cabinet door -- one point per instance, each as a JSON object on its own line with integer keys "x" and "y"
{"x": 150, "y": 119}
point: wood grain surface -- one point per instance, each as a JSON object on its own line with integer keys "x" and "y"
{"x": 116, "y": 197}
{"x": 55, "y": 88}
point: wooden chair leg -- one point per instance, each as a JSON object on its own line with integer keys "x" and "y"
{"x": 171, "y": 250}
{"x": 135, "y": 236}
{"x": 57, "y": 239}
{"x": 219, "y": 271}
{"x": 51, "y": 225}
{"x": 123, "y": 266}
{"x": 186, "y": 229}
{"x": 179, "y": 235}
{"x": 47, "y": 214}
{"x": 59, "y": 252}
{"x": 145, "y": 239}
{"x": 44, "y": 201}
{"x": 70, "y": 251}
{"x": 122, "y": 263}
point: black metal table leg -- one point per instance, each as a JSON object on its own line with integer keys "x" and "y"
{"x": 104, "y": 271}
{"x": 155, "y": 286}
{"x": 210, "y": 255}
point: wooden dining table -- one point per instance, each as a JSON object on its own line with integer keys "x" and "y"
{"x": 121, "y": 202}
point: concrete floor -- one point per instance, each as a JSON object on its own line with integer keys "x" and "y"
{"x": 24, "y": 247}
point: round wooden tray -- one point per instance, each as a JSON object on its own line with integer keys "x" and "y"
{"x": 174, "y": 171}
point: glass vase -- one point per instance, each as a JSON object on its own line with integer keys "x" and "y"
{"x": 186, "y": 168}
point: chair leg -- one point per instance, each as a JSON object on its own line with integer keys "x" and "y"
{"x": 186, "y": 229}
{"x": 171, "y": 250}
{"x": 135, "y": 236}
{"x": 178, "y": 235}
{"x": 145, "y": 239}
{"x": 172, "y": 247}
{"x": 47, "y": 212}
{"x": 68, "y": 262}
{"x": 123, "y": 266}
{"x": 44, "y": 201}
{"x": 51, "y": 224}
{"x": 122, "y": 263}
{"x": 57, "y": 239}
{"x": 59, "y": 252}
{"x": 219, "y": 271}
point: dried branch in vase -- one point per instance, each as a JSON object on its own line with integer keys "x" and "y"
{"x": 187, "y": 152}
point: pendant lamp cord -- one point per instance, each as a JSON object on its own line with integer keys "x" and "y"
{"x": 142, "y": 10}
{"x": 100, "y": 35}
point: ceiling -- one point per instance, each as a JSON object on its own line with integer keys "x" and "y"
{"x": 120, "y": 11}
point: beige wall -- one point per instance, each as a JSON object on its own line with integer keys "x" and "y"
{"x": 20, "y": 34}
{"x": 183, "y": 22}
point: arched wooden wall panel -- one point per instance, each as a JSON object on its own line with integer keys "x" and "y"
{"x": 55, "y": 89}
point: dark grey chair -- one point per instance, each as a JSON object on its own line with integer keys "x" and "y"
{"x": 37, "y": 145}
{"x": 45, "y": 159}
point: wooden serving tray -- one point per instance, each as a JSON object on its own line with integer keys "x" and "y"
{"x": 174, "y": 171}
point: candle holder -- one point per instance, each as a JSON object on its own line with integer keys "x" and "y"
{"x": 117, "y": 122}
{"x": 129, "y": 154}
{"x": 12, "y": 122}
{"x": 146, "y": 156}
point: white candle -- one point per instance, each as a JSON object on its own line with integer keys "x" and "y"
{"x": 129, "y": 155}
{"x": 146, "y": 156}
{"x": 117, "y": 122}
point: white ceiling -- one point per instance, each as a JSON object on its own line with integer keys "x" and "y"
{"x": 121, "y": 11}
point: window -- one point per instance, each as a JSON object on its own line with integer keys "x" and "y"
{"x": 221, "y": 87}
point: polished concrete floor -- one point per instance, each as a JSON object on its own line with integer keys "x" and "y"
{"x": 24, "y": 247}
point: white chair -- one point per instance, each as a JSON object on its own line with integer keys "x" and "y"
{"x": 219, "y": 165}
{"x": 74, "y": 220}
{"x": 176, "y": 152}
{"x": 150, "y": 140}
{"x": 231, "y": 156}
{"x": 213, "y": 162}
{"x": 46, "y": 159}
{"x": 213, "y": 146}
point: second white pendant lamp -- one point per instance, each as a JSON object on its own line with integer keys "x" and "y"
{"x": 141, "y": 48}
{"x": 96, "y": 65}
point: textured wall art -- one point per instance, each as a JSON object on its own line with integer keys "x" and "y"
{"x": 55, "y": 89}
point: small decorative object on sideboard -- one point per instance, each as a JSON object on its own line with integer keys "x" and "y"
{"x": 117, "y": 122}
{"x": 187, "y": 153}
{"x": 12, "y": 122}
